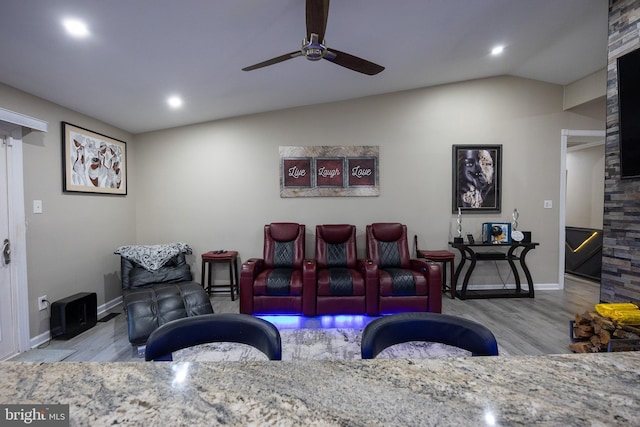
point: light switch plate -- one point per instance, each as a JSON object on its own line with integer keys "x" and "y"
{"x": 548, "y": 204}
{"x": 37, "y": 206}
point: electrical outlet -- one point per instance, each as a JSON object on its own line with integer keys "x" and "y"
{"x": 42, "y": 302}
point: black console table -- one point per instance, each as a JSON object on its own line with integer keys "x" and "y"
{"x": 468, "y": 252}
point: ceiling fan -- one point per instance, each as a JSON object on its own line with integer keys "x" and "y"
{"x": 314, "y": 49}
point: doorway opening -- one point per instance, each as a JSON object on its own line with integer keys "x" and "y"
{"x": 581, "y": 200}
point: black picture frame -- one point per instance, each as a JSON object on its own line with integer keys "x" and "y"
{"x": 92, "y": 162}
{"x": 477, "y": 178}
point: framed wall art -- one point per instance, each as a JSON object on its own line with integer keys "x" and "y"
{"x": 92, "y": 162}
{"x": 326, "y": 171}
{"x": 477, "y": 175}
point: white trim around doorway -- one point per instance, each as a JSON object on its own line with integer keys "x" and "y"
{"x": 15, "y": 124}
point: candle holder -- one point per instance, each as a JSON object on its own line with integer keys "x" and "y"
{"x": 459, "y": 239}
{"x": 516, "y": 235}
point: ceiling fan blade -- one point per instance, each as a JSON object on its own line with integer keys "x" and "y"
{"x": 317, "y": 13}
{"x": 273, "y": 61}
{"x": 353, "y": 62}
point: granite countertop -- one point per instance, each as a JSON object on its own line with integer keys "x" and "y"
{"x": 563, "y": 390}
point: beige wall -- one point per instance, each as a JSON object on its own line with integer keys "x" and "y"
{"x": 585, "y": 187}
{"x": 216, "y": 184}
{"x": 70, "y": 245}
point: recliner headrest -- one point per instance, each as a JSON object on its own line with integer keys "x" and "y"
{"x": 283, "y": 231}
{"x": 387, "y": 231}
{"x": 335, "y": 233}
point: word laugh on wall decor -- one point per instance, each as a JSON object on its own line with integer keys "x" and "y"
{"x": 329, "y": 171}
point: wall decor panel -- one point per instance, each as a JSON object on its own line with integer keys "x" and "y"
{"x": 329, "y": 171}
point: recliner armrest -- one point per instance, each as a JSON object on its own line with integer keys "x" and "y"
{"x": 309, "y": 278}
{"x": 369, "y": 270}
{"x": 250, "y": 269}
{"x": 433, "y": 273}
{"x": 309, "y": 266}
{"x": 419, "y": 264}
{"x": 368, "y": 267}
{"x": 252, "y": 266}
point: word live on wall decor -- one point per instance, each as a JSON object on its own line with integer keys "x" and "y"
{"x": 326, "y": 171}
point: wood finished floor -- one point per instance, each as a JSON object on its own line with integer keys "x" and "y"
{"x": 522, "y": 326}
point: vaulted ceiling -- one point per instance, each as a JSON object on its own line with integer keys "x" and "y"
{"x": 140, "y": 52}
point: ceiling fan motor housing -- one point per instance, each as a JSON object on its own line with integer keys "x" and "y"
{"x": 313, "y": 50}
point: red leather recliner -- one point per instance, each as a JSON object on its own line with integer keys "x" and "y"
{"x": 275, "y": 283}
{"x": 341, "y": 285}
{"x": 404, "y": 284}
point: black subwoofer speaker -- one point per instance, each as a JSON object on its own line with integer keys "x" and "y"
{"x": 73, "y": 315}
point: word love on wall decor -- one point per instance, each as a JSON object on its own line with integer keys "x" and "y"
{"x": 327, "y": 171}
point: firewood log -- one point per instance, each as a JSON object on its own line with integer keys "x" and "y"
{"x": 625, "y": 335}
{"x": 633, "y": 329}
{"x": 583, "y": 319}
{"x": 605, "y": 337}
{"x": 582, "y": 347}
{"x": 582, "y": 331}
{"x": 604, "y": 323}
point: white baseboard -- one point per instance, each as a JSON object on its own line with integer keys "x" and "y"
{"x": 110, "y": 304}
{"x": 536, "y": 287}
{"x": 547, "y": 287}
{"x": 45, "y": 336}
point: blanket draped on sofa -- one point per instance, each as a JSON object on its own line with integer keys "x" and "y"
{"x": 152, "y": 257}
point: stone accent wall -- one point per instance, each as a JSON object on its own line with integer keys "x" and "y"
{"x": 621, "y": 248}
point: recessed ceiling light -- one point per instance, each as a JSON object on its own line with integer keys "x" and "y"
{"x": 174, "y": 101}
{"x": 497, "y": 50}
{"x": 76, "y": 28}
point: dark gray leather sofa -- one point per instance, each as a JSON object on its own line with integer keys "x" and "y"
{"x": 153, "y": 298}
